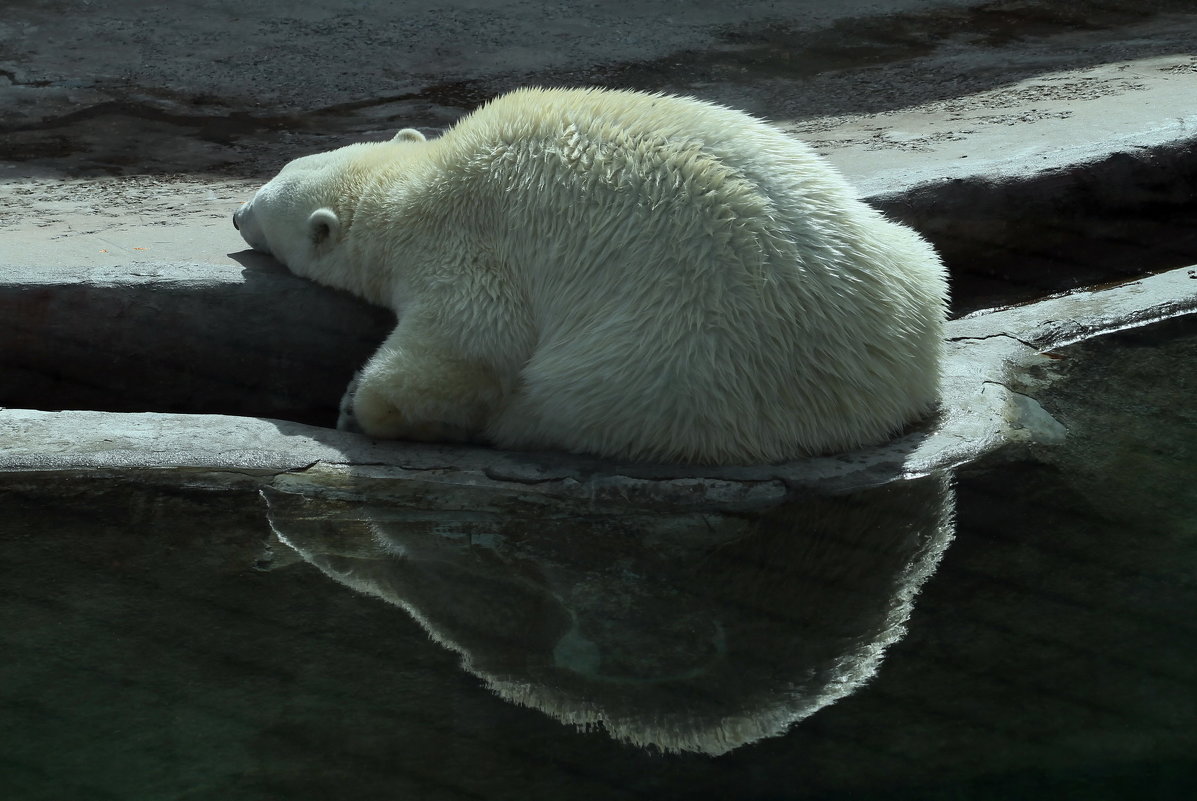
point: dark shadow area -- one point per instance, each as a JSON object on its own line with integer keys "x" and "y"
{"x": 256, "y": 262}
{"x": 269, "y": 344}
{"x": 1018, "y": 240}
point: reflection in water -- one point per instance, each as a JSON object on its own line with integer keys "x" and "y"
{"x": 695, "y": 632}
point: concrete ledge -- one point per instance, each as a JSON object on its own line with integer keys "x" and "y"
{"x": 988, "y": 352}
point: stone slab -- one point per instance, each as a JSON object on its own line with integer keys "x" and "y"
{"x": 981, "y": 413}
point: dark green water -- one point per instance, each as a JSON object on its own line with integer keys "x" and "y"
{"x": 150, "y": 648}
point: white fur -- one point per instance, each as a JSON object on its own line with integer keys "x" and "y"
{"x": 637, "y": 276}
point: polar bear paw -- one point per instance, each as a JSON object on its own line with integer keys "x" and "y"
{"x": 346, "y": 419}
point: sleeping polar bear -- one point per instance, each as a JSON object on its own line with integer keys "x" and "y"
{"x": 630, "y": 275}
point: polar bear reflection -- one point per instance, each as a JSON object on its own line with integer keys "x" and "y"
{"x": 694, "y": 633}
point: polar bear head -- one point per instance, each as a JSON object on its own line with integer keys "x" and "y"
{"x": 299, "y": 216}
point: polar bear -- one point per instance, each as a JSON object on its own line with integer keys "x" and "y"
{"x": 637, "y": 276}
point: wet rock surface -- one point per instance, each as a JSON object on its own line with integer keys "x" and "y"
{"x": 1155, "y": 433}
{"x": 182, "y": 338}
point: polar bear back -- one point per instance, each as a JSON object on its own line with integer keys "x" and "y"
{"x": 695, "y": 285}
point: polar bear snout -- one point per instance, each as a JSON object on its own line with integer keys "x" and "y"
{"x": 245, "y": 222}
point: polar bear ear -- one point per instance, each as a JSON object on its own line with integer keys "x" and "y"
{"x": 408, "y": 135}
{"x": 323, "y": 225}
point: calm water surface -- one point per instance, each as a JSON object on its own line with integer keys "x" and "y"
{"x": 1019, "y": 630}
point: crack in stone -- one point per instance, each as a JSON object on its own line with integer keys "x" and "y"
{"x": 993, "y": 336}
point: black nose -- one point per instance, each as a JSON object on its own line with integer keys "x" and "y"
{"x": 238, "y": 227}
